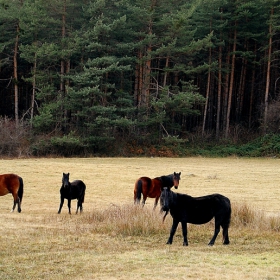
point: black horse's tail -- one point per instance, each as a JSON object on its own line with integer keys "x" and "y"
{"x": 84, "y": 192}
{"x": 20, "y": 190}
{"x": 138, "y": 191}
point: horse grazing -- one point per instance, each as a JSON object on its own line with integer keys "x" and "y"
{"x": 196, "y": 210}
{"x": 152, "y": 187}
{"x": 12, "y": 183}
{"x": 74, "y": 190}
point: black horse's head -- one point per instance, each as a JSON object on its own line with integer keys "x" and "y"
{"x": 166, "y": 199}
{"x": 65, "y": 180}
{"x": 176, "y": 179}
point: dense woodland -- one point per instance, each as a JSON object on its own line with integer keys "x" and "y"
{"x": 85, "y": 77}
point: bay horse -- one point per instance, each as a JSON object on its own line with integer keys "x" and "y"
{"x": 69, "y": 191}
{"x": 196, "y": 210}
{"x": 152, "y": 187}
{"x": 12, "y": 183}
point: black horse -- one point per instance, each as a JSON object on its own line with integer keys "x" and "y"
{"x": 196, "y": 210}
{"x": 74, "y": 190}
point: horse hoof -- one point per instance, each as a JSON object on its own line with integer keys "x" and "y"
{"x": 185, "y": 244}
{"x": 210, "y": 244}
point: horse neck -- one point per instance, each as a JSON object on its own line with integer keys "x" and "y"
{"x": 167, "y": 180}
{"x": 68, "y": 186}
{"x": 173, "y": 199}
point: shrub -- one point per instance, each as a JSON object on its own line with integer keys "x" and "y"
{"x": 14, "y": 141}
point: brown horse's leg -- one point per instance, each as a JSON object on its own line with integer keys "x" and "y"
{"x": 156, "y": 202}
{"x": 144, "y": 200}
{"x": 19, "y": 205}
{"x": 16, "y": 202}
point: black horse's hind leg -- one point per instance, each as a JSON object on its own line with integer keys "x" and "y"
{"x": 172, "y": 231}
{"x": 216, "y": 232}
{"x": 79, "y": 205}
{"x": 225, "y": 235}
{"x": 185, "y": 233}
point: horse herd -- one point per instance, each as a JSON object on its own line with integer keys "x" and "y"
{"x": 182, "y": 207}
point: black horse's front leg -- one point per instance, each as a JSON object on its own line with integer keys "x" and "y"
{"x": 60, "y": 206}
{"x": 172, "y": 231}
{"x": 69, "y": 206}
{"x": 185, "y": 233}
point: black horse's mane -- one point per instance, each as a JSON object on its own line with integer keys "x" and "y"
{"x": 174, "y": 195}
{"x": 166, "y": 179}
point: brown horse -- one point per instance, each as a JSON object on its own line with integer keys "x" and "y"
{"x": 12, "y": 183}
{"x": 152, "y": 187}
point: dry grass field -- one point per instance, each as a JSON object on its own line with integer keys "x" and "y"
{"x": 113, "y": 239}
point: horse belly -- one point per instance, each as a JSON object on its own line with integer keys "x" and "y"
{"x": 3, "y": 191}
{"x": 153, "y": 193}
{"x": 155, "y": 188}
{"x": 199, "y": 218}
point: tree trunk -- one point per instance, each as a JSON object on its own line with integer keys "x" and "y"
{"x": 16, "y": 75}
{"x": 165, "y": 73}
{"x": 207, "y": 93}
{"x": 231, "y": 83}
{"x": 219, "y": 93}
{"x": 267, "y": 75}
{"x": 33, "y": 88}
{"x": 226, "y": 90}
{"x": 62, "y": 63}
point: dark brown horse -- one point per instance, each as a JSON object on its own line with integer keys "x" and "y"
{"x": 12, "y": 183}
{"x": 152, "y": 187}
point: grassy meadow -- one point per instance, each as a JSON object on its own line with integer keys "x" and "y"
{"x": 113, "y": 239}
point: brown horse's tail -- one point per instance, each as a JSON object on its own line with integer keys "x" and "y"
{"x": 138, "y": 191}
{"x": 20, "y": 190}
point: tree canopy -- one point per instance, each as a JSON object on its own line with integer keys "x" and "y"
{"x": 93, "y": 74}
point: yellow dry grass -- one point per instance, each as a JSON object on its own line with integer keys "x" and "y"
{"x": 112, "y": 239}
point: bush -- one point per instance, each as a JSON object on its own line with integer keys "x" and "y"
{"x": 14, "y": 141}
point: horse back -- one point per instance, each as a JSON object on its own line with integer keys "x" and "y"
{"x": 77, "y": 190}
{"x": 200, "y": 210}
{"x": 9, "y": 183}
